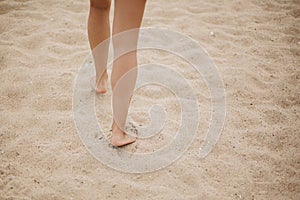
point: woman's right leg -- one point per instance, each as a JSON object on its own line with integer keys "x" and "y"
{"x": 127, "y": 21}
{"x": 98, "y": 32}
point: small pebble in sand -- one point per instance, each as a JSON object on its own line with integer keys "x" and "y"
{"x": 212, "y": 33}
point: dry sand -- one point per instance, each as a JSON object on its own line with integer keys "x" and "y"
{"x": 256, "y": 46}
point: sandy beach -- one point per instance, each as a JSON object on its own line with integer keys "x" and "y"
{"x": 255, "y": 45}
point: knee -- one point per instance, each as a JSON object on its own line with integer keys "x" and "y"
{"x": 100, "y": 4}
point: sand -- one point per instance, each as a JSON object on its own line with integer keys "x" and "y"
{"x": 255, "y": 45}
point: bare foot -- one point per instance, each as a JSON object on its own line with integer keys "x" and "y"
{"x": 119, "y": 138}
{"x": 100, "y": 85}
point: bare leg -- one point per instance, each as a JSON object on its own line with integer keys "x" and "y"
{"x": 99, "y": 31}
{"x": 128, "y": 15}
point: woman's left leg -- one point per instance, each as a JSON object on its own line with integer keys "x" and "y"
{"x": 99, "y": 33}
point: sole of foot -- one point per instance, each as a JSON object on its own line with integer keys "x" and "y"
{"x": 100, "y": 87}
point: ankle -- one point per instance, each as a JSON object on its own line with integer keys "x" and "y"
{"x": 101, "y": 77}
{"x": 116, "y": 128}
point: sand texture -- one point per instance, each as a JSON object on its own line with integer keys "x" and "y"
{"x": 255, "y": 45}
